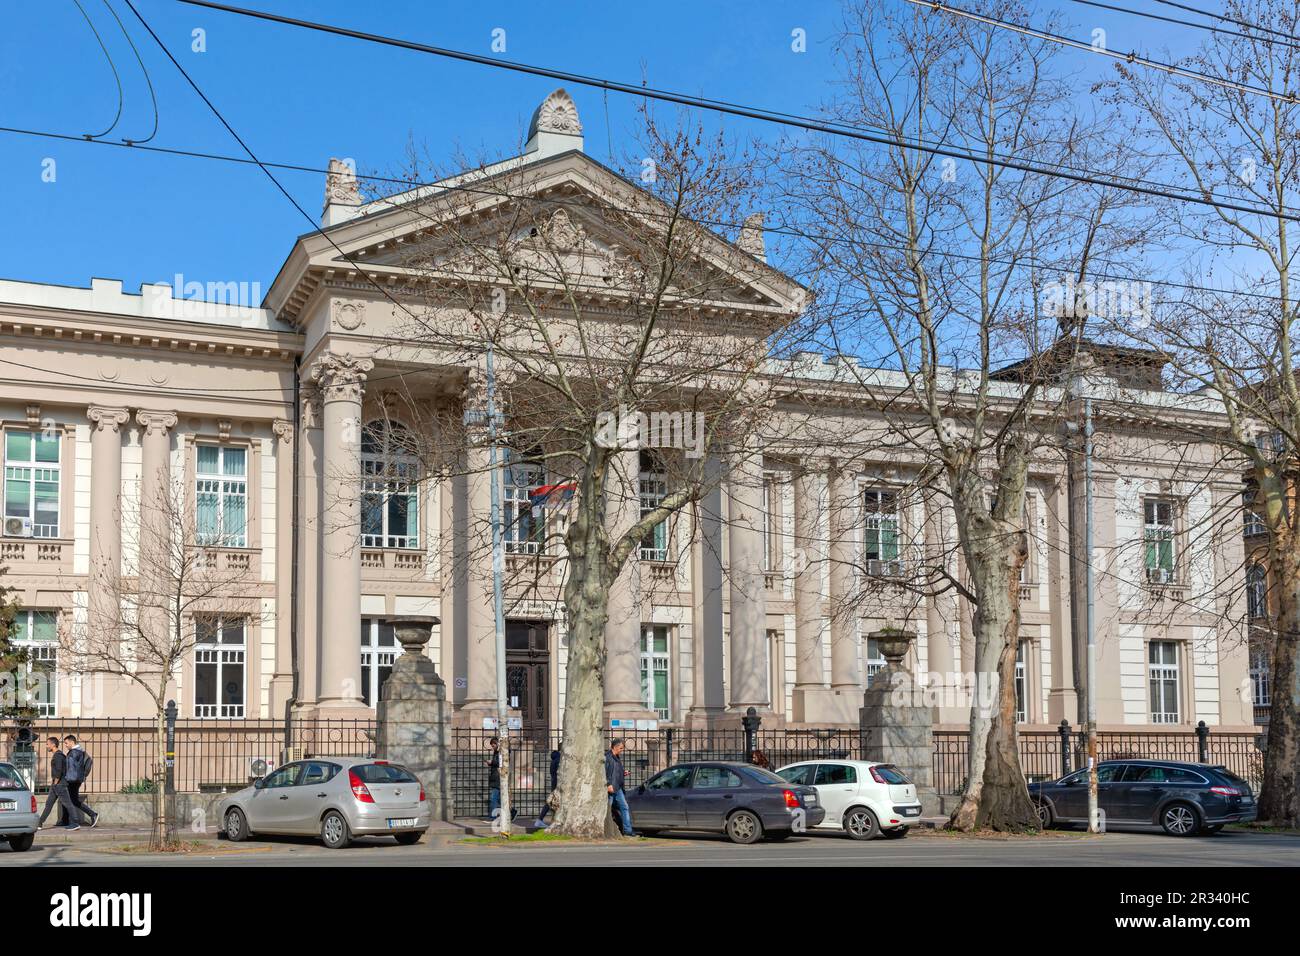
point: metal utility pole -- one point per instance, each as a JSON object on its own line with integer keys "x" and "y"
{"x": 1094, "y": 821}
{"x": 498, "y": 601}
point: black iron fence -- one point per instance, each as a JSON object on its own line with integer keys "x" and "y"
{"x": 1047, "y": 755}
{"x": 216, "y": 755}
{"x": 210, "y": 754}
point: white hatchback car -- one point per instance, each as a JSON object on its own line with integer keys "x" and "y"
{"x": 862, "y": 798}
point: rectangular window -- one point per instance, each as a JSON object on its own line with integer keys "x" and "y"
{"x": 1162, "y": 677}
{"x": 221, "y": 496}
{"x": 654, "y": 488}
{"x": 37, "y": 633}
{"x": 31, "y": 492}
{"x": 875, "y": 660}
{"x": 525, "y": 523}
{"x": 769, "y": 537}
{"x": 655, "y": 670}
{"x": 1158, "y": 539}
{"x": 379, "y": 650}
{"x": 1252, "y": 520}
{"x": 1259, "y": 667}
{"x": 881, "y": 527}
{"x": 1022, "y": 685}
{"x": 220, "y": 653}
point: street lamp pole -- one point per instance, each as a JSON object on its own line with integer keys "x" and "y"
{"x": 1094, "y": 822}
{"x": 498, "y": 601}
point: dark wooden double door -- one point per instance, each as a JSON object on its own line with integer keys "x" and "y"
{"x": 528, "y": 676}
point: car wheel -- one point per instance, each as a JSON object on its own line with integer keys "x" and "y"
{"x": 1044, "y": 815}
{"x": 860, "y": 823}
{"x": 743, "y": 827}
{"x": 236, "y": 827}
{"x": 897, "y": 833}
{"x": 21, "y": 842}
{"x": 334, "y": 831}
{"x": 1180, "y": 820}
{"x": 410, "y": 838}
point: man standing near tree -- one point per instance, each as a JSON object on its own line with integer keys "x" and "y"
{"x": 59, "y": 787}
{"x": 614, "y": 784}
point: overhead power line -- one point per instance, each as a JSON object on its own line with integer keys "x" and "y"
{"x": 884, "y": 138}
{"x": 1170, "y": 68}
{"x": 1180, "y": 22}
{"x": 781, "y": 230}
{"x": 1222, "y": 18}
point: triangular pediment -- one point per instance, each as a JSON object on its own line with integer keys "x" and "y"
{"x": 564, "y": 214}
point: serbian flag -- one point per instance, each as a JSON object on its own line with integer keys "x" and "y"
{"x": 547, "y": 495}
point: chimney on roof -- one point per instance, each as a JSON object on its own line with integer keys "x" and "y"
{"x": 554, "y": 127}
{"x": 342, "y": 196}
{"x": 751, "y": 237}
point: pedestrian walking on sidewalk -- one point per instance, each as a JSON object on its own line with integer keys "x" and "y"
{"x": 78, "y": 769}
{"x": 59, "y": 787}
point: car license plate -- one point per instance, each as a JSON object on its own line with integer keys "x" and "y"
{"x": 7, "y": 805}
{"x": 911, "y": 811}
{"x": 402, "y": 822}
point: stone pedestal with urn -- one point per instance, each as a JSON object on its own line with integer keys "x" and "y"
{"x": 894, "y": 722}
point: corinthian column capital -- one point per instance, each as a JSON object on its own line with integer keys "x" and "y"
{"x": 107, "y": 418}
{"x": 340, "y": 376}
{"x": 155, "y": 422}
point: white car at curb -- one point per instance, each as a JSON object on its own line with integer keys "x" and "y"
{"x": 863, "y": 798}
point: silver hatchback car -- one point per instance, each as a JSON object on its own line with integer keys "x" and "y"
{"x": 18, "y": 818}
{"x": 337, "y": 798}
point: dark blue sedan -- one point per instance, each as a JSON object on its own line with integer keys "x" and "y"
{"x": 1183, "y": 799}
{"x": 745, "y": 802}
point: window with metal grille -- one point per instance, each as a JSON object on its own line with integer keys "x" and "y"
{"x": 37, "y": 633}
{"x": 390, "y": 500}
{"x": 220, "y": 651}
{"x": 655, "y": 668}
{"x": 31, "y": 492}
{"x": 525, "y": 523}
{"x": 221, "y": 496}
{"x": 653, "y": 489}
{"x": 1162, "y": 678}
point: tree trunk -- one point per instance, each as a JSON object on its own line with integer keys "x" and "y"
{"x": 159, "y": 836}
{"x": 584, "y": 805}
{"x": 1279, "y": 796}
{"x": 996, "y": 795}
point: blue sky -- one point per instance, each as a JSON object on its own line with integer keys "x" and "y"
{"x": 298, "y": 96}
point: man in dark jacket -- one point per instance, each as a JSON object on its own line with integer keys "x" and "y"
{"x": 614, "y": 784}
{"x": 59, "y": 787}
{"x": 494, "y": 778}
{"x": 555, "y": 784}
{"x": 77, "y": 770}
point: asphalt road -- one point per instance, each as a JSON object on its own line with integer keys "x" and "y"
{"x": 1062, "y": 849}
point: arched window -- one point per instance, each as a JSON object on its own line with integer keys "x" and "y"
{"x": 653, "y": 489}
{"x": 390, "y": 474}
{"x": 1256, "y": 591}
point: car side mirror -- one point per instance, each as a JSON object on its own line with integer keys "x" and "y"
{"x": 641, "y": 789}
{"x": 259, "y": 783}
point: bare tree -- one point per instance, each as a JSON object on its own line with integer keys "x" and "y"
{"x": 629, "y": 340}
{"x": 930, "y": 266}
{"x": 174, "y": 586}
{"x": 1235, "y": 148}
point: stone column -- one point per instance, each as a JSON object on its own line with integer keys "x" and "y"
{"x": 341, "y": 378}
{"x": 158, "y": 507}
{"x": 105, "y": 514}
{"x": 809, "y": 672}
{"x": 309, "y": 528}
{"x": 940, "y": 612}
{"x": 480, "y": 619}
{"x": 282, "y": 677}
{"x": 843, "y": 525}
{"x": 708, "y": 702}
{"x": 623, "y": 626}
{"x": 749, "y": 665}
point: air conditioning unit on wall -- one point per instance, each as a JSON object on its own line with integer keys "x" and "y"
{"x": 18, "y": 527}
{"x": 260, "y": 766}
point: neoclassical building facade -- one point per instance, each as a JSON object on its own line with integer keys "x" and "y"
{"x": 271, "y": 427}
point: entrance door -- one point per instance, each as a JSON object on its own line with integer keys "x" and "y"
{"x": 528, "y": 661}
